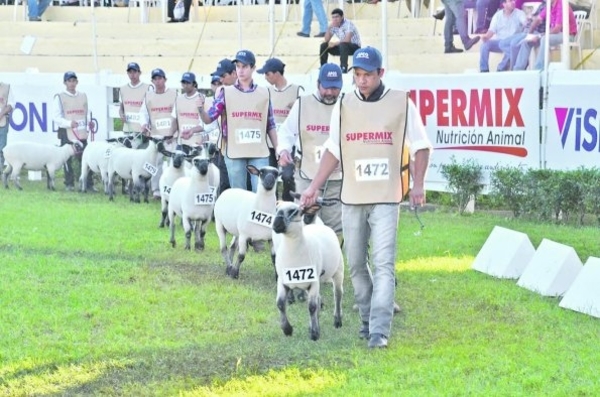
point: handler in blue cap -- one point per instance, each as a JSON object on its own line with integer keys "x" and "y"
{"x": 246, "y": 120}
{"x": 369, "y": 149}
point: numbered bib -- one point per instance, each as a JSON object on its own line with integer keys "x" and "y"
{"x": 149, "y": 168}
{"x": 80, "y": 124}
{"x": 132, "y": 117}
{"x": 167, "y": 189}
{"x": 162, "y": 123}
{"x": 319, "y": 151}
{"x": 247, "y": 135}
{"x": 368, "y": 170}
{"x": 297, "y": 275}
{"x": 261, "y": 218}
{"x": 107, "y": 153}
{"x": 204, "y": 199}
{"x": 186, "y": 127}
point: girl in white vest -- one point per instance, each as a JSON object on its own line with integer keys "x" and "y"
{"x": 370, "y": 150}
{"x": 70, "y": 116}
{"x": 7, "y": 104}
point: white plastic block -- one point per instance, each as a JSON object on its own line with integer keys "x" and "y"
{"x": 584, "y": 294}
{"x": 504, "y": 254}
{"x": 552, "y": 269}
{"x": 34, "y": 175}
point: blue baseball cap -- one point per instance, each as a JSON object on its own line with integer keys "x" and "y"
{"x": 330, "y": 76}
{"x": 224, "y": 66}
{"x": 158, "y": 72}
{"x": 215, "y": 79}
{"x": 133, "y": 66}
{"x": 69, "y": 75}
{"x": 246, "y": 57}
{"x": 272, "y": 65}
{"x": 188, "y": 77}
{"x": 367, "y": 58}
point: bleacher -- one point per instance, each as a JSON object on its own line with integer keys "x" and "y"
{"x": 91, "y": 40}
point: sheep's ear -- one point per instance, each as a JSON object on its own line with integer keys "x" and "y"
{"x": 252, "y": 169}
{"x": 212, "y": 149}
{"x": 312, "y": 210}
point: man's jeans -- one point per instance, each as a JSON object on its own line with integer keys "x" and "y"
{"x": 36, "y": 9}
{"x": 319, "y": 10}
{"x": 3, "y": 139}
{"x": 237, "y": 172}
{"x": 525, "y": 50}
{"x": 375, "y": 226}
{"x": 494, "y": 46}
{"x": 510, "y": 47}
{"x": 455, "y": 14}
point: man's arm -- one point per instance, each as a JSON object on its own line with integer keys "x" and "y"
{"x": 418, "y": 171}
{"x": 328, "y": 164}
{"x": 215, "y": 110}
{"x": 287, "y": 135}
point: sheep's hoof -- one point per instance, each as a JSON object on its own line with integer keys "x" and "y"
{"x": 228, "y": 270}
{"x": 161, "y": 225}
{"x": 287, "y": 330}
{"x": 172, "y": 243}
{"x": 315, "y": 334}
{"x": 234, "y": 273}
{"x": 187, "y": 247}
{"x": 199, "y": 246}
{"x": 337, "y": 322}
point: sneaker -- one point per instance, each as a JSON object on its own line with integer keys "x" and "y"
{"x": 378, "y": 341}
{"x": 452, "y": 50}
{"x": 472, "y": 42}
{"x": 35, "y": 19}
{"x": 302, "y": 34}
{"x": 322, "y": 34}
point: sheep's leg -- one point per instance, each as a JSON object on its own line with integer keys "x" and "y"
{"x": 124, "y": 186}
{"x": 145, "y": 182}
{"x": 111, "y": 186}
{"x": 242, "y": 249}
{"x": 314, "y": 306}
{"x": 51, "y": 180}
{"x": 172, "y": 228}
{"x": 200, "y": 233}
{"x": 338, "y": 292}
{"x": 222, "y": 233}
{"x": 272, "y": 246}
{"x": 164, "y": 212}
{"x": 233, "y": 248}
{"x": 282, "y": 292}
{"x": 48, "y": 185}
{"x": 7, "y": 171}
{"x": 15, "y": 176}
{"x": 187, "y": 227}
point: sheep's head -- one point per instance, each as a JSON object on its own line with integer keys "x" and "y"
{"x": 267, "y": 176}
{"x": 288, "y": 216}
{"x": 200, "y": 162}
{"x": 77, "y": 147}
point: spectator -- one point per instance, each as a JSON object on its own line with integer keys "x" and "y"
{"x": 485, "y": 9}
{"x": 186, "y": 11}
{"x": 511, "y": 45}
{"x": 455, "y": 13}
{"x": 7, "y": 104}
{"x": 70, "y": 116}
{"x": 315, "y": 6}
{"x": 155, "y": 118}
{"x": 188, "y": 128}
{"x": 371, "y": 198}
{"x": 505, "y": 24}
{"x": 36, "y": 8}
{"x": 283, "y": 95}
{"x": 246, "y": 119}
{"x": 348, "y": 39}
{"x": 555, "y": 36}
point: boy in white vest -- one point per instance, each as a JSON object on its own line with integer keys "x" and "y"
{"x": 7, "y": 104}
{"x": 370, "y": 151}
{"x": 283, "y": 96}
{"x": 131, "y": 98}
{"x": 70, "y": 115}
{"x": 155, "y": 118}
{"x": 246, "y": 120}
{"x": 188, "y": 128}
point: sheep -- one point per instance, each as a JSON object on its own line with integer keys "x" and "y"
{"x": 246, "y": 215}
{"x": 36, "y": 157}
{"x": 173, "y": 172}
{"x": 193, "y": 200}
{"x": 307, "y": 255}
{"x": 95, "y": 158}
{"x": 136, "y": 164}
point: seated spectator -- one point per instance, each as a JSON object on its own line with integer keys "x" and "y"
{"x": 555, "y": 36}
{"x": 348, "y": 36}
{"x": 511, "y": 45}
{"x": 455, "y": 13}
{"x": 505, "y": 24}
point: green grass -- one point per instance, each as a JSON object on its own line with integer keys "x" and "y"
{"x": 94, "y": 301}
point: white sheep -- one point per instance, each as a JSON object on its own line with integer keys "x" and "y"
{"x": 36, "y": 157}
{"x": 173, "y": 172}
{"x": 307, "y": 255}
{"x": 193, "y": 199}
{"x": 247, "y": 216}
{"x": 137, "y": 165}
{"x": 95, "y": 158}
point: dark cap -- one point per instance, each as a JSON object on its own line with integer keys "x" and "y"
{"x": 246, "y": 57}
{"x": 188, "y": 77}
{"x": 215, "y": 79}
{"x": 224, "y": 66}
{"x": 158, "y": 72}
{"x": 272, "y": 65}
{"x": 367, "y": 58}
{"x": 330, "y": 76}
{"x": 69, "y": 75}
{"x": 133, "y": 66}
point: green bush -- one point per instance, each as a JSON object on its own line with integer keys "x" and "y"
{"x": 507, "y": 187}
{"x": 464, "y": 181}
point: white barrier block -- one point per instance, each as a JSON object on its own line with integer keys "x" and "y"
{"x": 34, "y": 175}
{"x": 504, "y": 254}
{"x": 552, "y": 269}
{"x": 584, "y": 294}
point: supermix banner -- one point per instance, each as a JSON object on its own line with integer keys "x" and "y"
{"x": 493, "y": 120}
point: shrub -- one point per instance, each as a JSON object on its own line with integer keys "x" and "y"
{"x": 507, "y": 186}
{"x": 464, "y": 181}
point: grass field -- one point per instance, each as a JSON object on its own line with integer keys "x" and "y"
{"x": 94, "y": 301}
